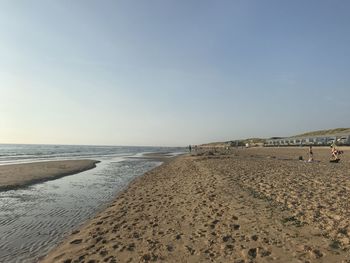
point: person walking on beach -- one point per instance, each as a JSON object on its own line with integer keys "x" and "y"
{"x": 311, "y": 154}
{"x": 190, "y": 148}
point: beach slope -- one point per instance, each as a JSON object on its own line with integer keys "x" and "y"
{"x": 234, "y": 206}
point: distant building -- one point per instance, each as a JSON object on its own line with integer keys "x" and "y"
{"x": 339, "y": 139}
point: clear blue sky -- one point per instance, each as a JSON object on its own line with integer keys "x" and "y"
{"x": 171, "y": 72}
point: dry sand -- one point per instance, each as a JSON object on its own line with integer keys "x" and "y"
{"x": 248, "y": 205}
{"x": 18, "y": 175}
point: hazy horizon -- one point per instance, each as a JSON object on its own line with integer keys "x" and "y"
{"x": 171, "y": 73}
{"x": 121, "y": 145}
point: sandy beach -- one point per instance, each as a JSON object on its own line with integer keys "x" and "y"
{"x": 239, "y": 205}
{"x": 18, "y": 175}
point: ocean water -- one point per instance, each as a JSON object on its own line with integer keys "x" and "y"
{"x": 34, "y": 219}
{"x": 19, "y": 153}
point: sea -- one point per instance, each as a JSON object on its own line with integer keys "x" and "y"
{"x": 34, "y": 219}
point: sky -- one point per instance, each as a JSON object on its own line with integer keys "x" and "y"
{"x": 171, "y": 72}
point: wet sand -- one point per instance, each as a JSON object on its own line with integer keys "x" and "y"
{"x": 18, "y": 175}
{"x": 246, "y": 205}
{"x": 162, "y": 157}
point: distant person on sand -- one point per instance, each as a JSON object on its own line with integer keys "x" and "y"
{"x": 190, "y": 148}
{"x": 311, "y": 155}
{"x": 335, "y": 153}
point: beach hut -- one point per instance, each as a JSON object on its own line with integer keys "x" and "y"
{"x": 339, "y": 139}
{"x": 344, "y": 140}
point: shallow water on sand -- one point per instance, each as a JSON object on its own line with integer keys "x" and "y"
{"x": 34, "y": 219}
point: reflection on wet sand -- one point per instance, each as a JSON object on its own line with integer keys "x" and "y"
{"x": 34, "y": 219}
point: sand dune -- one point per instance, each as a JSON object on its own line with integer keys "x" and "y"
{"x": 249, "y": 205}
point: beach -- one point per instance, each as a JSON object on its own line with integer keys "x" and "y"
{"x": 236, "y": 205}
{"x": 13, "y": 176}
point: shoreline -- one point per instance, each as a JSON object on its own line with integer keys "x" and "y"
{"x": 15, "y": 176}
{"x": 233, "y": 206}
{"x": 163, "y": 157}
